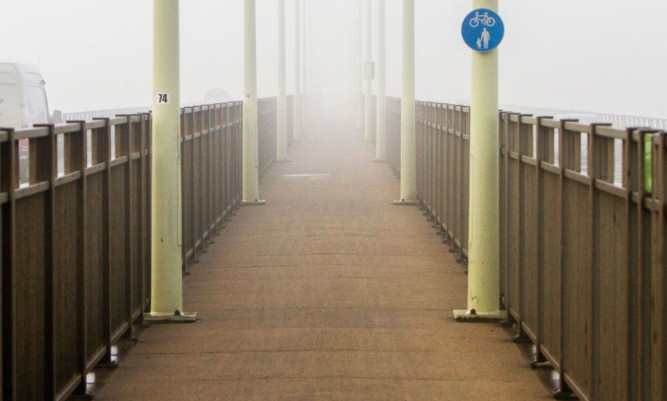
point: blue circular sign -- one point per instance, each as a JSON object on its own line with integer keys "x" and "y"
{"x": 482, "y": 30}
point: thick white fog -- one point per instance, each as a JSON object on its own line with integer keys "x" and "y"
{"x": 595, "y": 55}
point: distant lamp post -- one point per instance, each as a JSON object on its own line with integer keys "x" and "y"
{"x": 480, "y": 30}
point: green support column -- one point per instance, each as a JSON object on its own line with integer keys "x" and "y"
{"x": 483, "y": 242}
{"x": 381, "y": 129}
{"x": 368, "y": 80}
{"x": 359, "y": 82}
{"x": 166, "y": 257}
{"x": 282, "y": 86}
{"x": 250, "y": 148}
{"x": 297, "y": 72}
{"x": 408, "y": 145}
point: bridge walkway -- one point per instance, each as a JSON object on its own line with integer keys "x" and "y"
{"x": 329, "y": 292}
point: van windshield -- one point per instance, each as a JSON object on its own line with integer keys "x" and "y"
{"x": 36, "y": 107}
{"x": 10, "y": 109}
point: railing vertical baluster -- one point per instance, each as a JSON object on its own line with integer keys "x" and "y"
{"x": 76, "y": 160}
{"x": 9, "y": 166}
{"x": 600, "y": 167}
{"x": 659, "y": 329}
{"x": 149, "y": 212}
{"x": 102, "y": 154}
{"x": 191, "y": 133}
{"x": 143, "y": 227}
{"x": 201, "y": 167}
{"x": 124, "y": 148}
{"x": 44, "y": 167}
{"x": 644, "y": 262}
{"x": 504, "y": 212}
{"x": 215, "y": 207}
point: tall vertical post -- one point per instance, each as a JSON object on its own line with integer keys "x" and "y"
{"x": 381, "y": 113}
{"x": 297, "y": 72}
{"x": 166, "y": 256}
{"x": 408, "y": 146}
{"x": 305, "y": 62}
{"x": 282, "y": 86}
{"x": 483, "y": 243}
{"x": 310, "y": 48}
{"x": 359, "y": 82}
{"x": 368, "y": 60}
{"x": 250, "y": 149}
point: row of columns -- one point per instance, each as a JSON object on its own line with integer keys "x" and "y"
{"x": 166, "y": 291}
{"x": 166, "y": 257}
{"x": 483, "y": 299}
{"x": 300, "y": 68}
{"x": 408, "y": 171}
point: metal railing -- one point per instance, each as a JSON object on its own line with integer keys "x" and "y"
{"x": 582, "y": 254}
{"x": 76, "y": 246}
{"x": 617, "y": 120}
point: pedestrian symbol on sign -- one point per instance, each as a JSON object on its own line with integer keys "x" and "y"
{"x": 483, "y": 30}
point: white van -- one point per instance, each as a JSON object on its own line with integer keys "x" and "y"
{"x": 22, "y": 96}
{"x": 22, "y": 104}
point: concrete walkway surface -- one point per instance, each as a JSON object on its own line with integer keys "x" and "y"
{"x": 329, "y": 292}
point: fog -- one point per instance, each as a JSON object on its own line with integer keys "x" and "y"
{"x": 595, "y": 55}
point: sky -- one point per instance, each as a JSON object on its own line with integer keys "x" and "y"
{"x": 593, "y": 55}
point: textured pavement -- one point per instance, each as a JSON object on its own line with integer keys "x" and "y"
{"x": 329, "y": 292}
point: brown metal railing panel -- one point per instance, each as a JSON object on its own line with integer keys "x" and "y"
{"x": 95, "y": 263}
{"x": 187, "y": 181}
{"x": 451, "y": 174}
{"x": 529, "y": 246}
{"x": 136, "y": 229}
{"x": 28, "y": 312}
{"x": 465, "y": 185}
{"x": 582, "y": 247}
{"x": 117, "y": 251}
{"x": 514, "y": 233}
{"x": 659, "y": 277}
{"x": 67, "y": 319}
{"x": 550, "y": 262}
{"x": 503, "y": 205}
{"x": 435, "y": 174}
{"x": 204, "y": 160}
{"x": 76, "y": 247}
{"x": 227, "y": 149}
{"x": 577, "y": 273}
{"x": 612, "y": 332}
{"x": 439, "y": 170}
{"x": 196, "y": 205}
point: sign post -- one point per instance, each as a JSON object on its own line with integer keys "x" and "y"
{"x": 482, "y": 31}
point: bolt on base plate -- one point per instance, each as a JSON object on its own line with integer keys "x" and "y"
{"x": 404, "y": 202}
{"x": 184, "y": 317}
{"x": 463, "y": 315}
{"x": 255, "y": 202}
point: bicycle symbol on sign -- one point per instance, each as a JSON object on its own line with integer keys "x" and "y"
{"x": 483, "y": 19}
